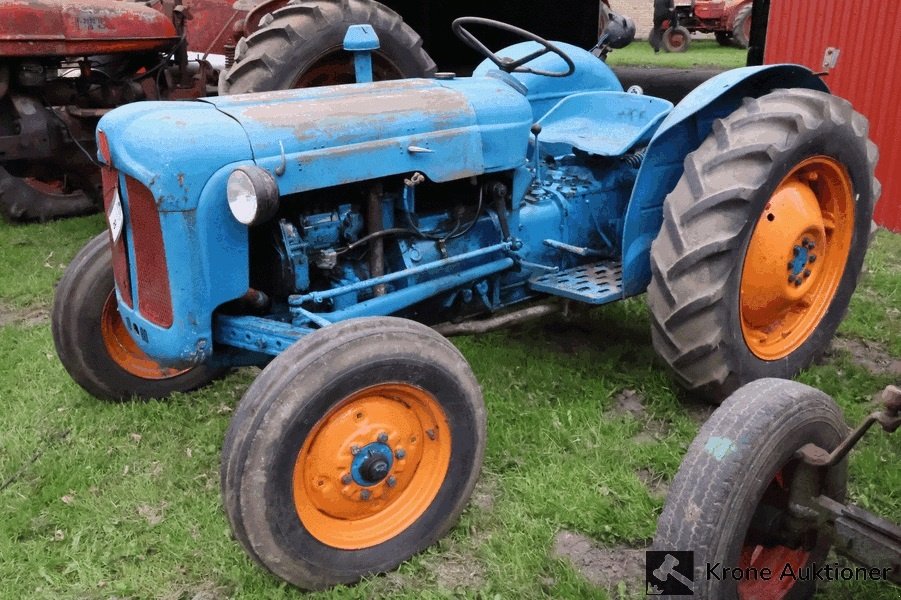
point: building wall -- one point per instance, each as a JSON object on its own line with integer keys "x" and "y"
{"x": 641, "y": 11}
{"x": 867, "y": 71}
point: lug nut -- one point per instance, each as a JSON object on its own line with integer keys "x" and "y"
{"x": 392, "y": 481}
{"x": 805, "y": 242}
{"x": 791, "y": 265}
{"x": 430, "y": 433}
{"x": 791, "y": 278}
{"x": 354, "y": 449}
{"x": 806, "y": 273}
{"x": 383, "y": 438}
{"x": 812, "y": 258}
{"x": 796, "y": 251}
{"x": 346, "y": 479}
{"x": 811, "y": 246}
{"x": 365, "y": 495}
{"x": 798, "y": 282}
{"x": 400, "y": 453}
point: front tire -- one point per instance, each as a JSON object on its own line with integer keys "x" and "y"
{"x": 736, "y": 474}
{"x": 301, "y": 45}
{"x": 676, "y": 39}
{"x": 93, "y": 344}
{"x": 763, "y": 241}
{"x": 356, "y": 448}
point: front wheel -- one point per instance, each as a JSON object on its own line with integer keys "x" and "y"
{"x": 93, "y": 343}
{"x": 729, "y": 502}
{"x": 676, "y": 39}
{"x": 356, "y": 448}
{"x": 763, "y": 240}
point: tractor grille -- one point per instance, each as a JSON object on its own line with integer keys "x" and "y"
{"x": 120, "y": 254}
{"x": 152, "y": 275}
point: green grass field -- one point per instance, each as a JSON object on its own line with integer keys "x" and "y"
{"x": 102, "y": 500}
{"x": 701, "y": 53}
{"x": 586, "y": 429}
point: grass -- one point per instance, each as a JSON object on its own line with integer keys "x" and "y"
{"x": 103, "y": 501}
{"x": 701, "y": 53}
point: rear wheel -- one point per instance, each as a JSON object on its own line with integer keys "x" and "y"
{"x": 729, "y": 501}
{"x": 676, "y": 39}
{"x": 93, "y": 344}
{"x": 301, "y": 45}
{"x": 763, "y": 241}
{"x": 741, "y": 26}
{"x": 356, "y": 448}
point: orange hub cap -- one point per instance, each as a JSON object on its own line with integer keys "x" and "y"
{"x": 796, "y": 257}
{"x": 123, "y": 350}
{"x": 372, "y": 466}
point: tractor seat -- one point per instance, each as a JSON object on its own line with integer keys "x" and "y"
{"x": 601, "y": 123}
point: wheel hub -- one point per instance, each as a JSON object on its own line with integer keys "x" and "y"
{"x": 372, "y": 464}
{"x": 796, "y": 257}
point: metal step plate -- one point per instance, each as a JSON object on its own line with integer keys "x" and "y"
{"x": 595, "y": 283}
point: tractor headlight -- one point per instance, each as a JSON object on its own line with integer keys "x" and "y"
{"x": 252, "y": 195}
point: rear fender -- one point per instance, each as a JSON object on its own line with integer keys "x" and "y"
{"x": 680, "y": 134}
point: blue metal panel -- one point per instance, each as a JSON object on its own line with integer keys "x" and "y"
{"x": 680, "y": 134}
{"x": 207, "y": 259}
{"x": 591, "y": 74}
{"x": 173, "y": 148}
{"x": 329, "y": 136}
{"x": 601, "y": 123}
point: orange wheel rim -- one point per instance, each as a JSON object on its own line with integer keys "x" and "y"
{"x": 796, "y": 257}
{"x": 372, "y": 466}
{"x": 124, "y": 351}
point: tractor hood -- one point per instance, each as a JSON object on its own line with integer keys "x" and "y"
{"x": 322, "y": 137}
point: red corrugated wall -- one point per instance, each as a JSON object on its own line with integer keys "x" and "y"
{"x": 868, "y": 35}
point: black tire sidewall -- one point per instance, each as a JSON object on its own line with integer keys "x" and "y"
{"x": 287, "y": 527}
{"x": 745, "y": 365}
{"x": 768, "y": 459}
{"x": 76, "y": 324}
{"x": 284, "y": 406}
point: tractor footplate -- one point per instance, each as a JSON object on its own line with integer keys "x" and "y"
{"x": 594, "y": 283}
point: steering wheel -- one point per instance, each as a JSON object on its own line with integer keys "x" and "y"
{"x": 505, "y": 63}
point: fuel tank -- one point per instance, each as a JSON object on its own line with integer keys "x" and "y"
{"x": 32, "y": 28}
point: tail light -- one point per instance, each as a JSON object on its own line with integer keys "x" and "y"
{"x": 154, "y": 297}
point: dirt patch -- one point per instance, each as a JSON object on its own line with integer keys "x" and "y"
{"x": 628, "y": 402}
{"x": 655, "y": 482}
{"x": 30, "y": 316}
{"x": 602, "y": 566}
{"x": 458, "y": 570}
{"x": 653, "y": 432}
{"x": 698, "y": 411}
{"x": 872, "y": 356}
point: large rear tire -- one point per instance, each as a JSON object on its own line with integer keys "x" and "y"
{"x": 741, "y": 26}
{"x": 763, "y": 240}
{"x": 301, "y": 45}
{"x": 356, "y": 448}
{"x": 731, "y": 492}
{"x": 93, "y": 343}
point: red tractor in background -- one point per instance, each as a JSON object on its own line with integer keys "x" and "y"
{"x": 728, "y": 20}
{"x": 65, "y": 63}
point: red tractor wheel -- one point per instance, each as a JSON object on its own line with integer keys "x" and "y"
{"x": 741, "y": 26}
{"x": 301, "y": 45}
{"x": 676, "y": 39}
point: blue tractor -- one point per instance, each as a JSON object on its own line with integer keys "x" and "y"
{"x": 329, "y": 235}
